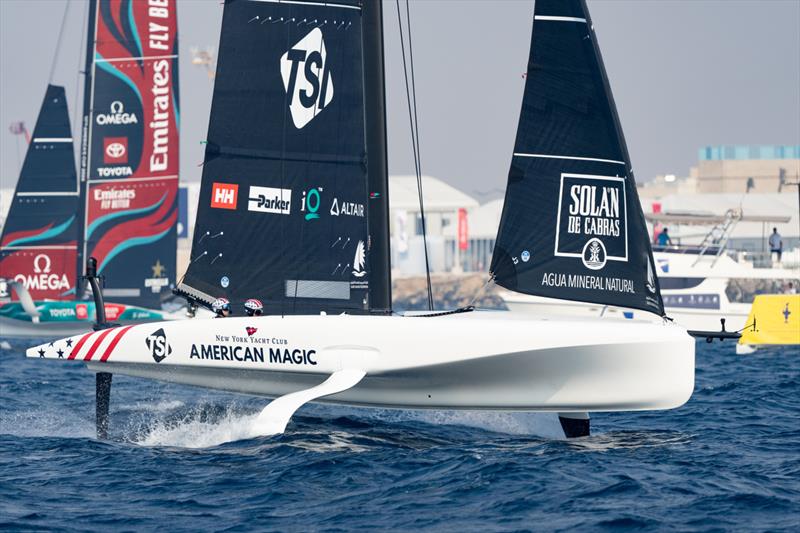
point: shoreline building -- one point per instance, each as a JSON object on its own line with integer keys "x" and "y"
{"x": 745, "y": 169}
{"x": 742, "y": 169}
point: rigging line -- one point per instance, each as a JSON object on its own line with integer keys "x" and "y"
{"x": 748, "y": 326}
{"x": 416, "y": 158}
{"x": 58, "y": 42}
{"x": 78, "y": 72}
{"x": 479, "y": 294}
{"x": 419, "y": 155}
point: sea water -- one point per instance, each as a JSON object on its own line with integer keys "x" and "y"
{"x": 181, "y": 458}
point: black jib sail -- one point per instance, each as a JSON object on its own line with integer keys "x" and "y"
{"x": 129, "y": 154}
{"x": 288, "y": 190}
{"x": 40, "y": 235}
{"x": 572, "y": 225}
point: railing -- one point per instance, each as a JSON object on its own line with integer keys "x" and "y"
{"x": 754, "y": 259}
{"x": 691, "y": 249}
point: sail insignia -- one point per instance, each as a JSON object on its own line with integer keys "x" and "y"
{"x": 572, "y": 226}
{"x": 39, "y": 242}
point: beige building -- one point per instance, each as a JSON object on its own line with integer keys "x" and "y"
{"x": 741, "y": 169}
{"x": 733, "y": 169}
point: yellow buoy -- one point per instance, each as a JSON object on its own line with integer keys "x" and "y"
{"x": 777, "y": 320}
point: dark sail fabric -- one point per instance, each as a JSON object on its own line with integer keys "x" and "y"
{"x": 40, "y": 235}
{"x": 572, "y": 225}
{"x": 129, "y": 160}
{"x": 283, "y": 206}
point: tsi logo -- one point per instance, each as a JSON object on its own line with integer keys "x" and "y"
{"x": 306, "y": 78}
{"x": 269, "y": 200}
{"x": 157, "y": 344}
{"x": 224, "y": 195}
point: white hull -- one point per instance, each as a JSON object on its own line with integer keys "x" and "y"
{"x": 735, "y": 314}
{"x": 478, "y": 360}
{"x": 699, "y": 306}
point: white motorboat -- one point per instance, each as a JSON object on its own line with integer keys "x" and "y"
{"x": 698, "y": 282}
{"x": 294, "y": 211}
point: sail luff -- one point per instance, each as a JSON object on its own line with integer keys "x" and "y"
{"x": 379, "y": 253}
{"x": 85, "y": 154}
{"x": 572, "y": 227}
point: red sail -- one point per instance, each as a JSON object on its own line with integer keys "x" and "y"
{"x": 130, "y": 160}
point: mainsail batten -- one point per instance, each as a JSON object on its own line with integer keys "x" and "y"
{"x": 572, "y": 225}
{"x": 129, "y": 156}
{"x": 284, "y": 209}
{"x": 40, "y": 235}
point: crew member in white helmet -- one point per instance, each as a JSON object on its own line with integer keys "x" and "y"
{"x": 221, "y": 307}
{"x": 253, "y": 307}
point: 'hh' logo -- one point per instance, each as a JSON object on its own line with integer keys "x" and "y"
{"x": 313, "y": 91}
{"x": 115, "y": 150}
{"x": 224, "y": 195}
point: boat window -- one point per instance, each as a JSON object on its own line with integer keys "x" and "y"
{"x": 679, "y": 283}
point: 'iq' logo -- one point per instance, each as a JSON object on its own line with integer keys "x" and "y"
{"x": 313, "y": 91}
{"x": 310, "y": 202}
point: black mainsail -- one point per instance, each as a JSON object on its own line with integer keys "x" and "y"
{"x": 292, "y": 210}
{"x": 40, "y": 236}
{"x": 572, "y": 225}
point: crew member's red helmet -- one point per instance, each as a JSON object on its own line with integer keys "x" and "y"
{"x": 220, "y": 305}
{"x": 253, "y": 307}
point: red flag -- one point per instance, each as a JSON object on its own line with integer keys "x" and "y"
{"x": 463, "y": 236}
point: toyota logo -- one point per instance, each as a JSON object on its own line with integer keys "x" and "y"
{"x": 115, "y": 150}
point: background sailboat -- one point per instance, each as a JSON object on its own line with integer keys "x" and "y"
{"x": 40, "y": 237}
{"x": 122, "y": 207}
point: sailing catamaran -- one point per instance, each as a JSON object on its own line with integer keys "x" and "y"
{"x": 298, "y": 130}
{"x": 123, "y": 209}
